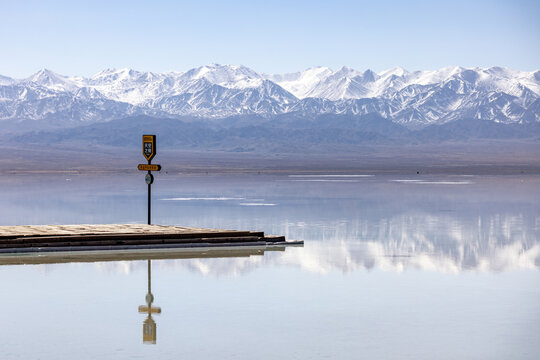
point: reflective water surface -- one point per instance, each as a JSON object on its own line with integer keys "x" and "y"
{"x": 393, "y": 267}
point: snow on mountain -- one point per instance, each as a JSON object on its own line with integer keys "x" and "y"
{"x": 129, "y": 86}
{"x": 397, "y": 71}
{"x": 136, "y": 88}
{"x": 229, "y": 76}
{"x": 321, "y": 82}
{"x": 429, "y": 77}
{"x": 414, "y": 99}
{"x": 301, "y": 83}
{"x": 346, "y": 83}
{"x": 210, "y": 100}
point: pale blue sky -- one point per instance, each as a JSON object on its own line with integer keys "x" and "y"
{"x": 74, "y": 38}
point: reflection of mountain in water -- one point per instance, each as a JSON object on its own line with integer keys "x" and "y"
{"x": 443, "y": 242}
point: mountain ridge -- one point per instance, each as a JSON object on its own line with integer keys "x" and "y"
{"x": 412, "y": 99}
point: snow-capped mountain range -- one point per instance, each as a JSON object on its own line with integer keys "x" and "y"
{"x": 413, "y": 99}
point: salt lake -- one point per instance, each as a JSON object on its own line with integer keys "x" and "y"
{"x": 394, "y": 266}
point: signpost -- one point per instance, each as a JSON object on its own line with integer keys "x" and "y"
{"x": 149, "y": 147}
{"x": 149, "y": 151}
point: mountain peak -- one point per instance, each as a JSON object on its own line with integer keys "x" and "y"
{"x": 397, "y": 71}
{"x": 50, "y": 79}
{"x": 113, "y": 74}
{"x": 43, "y": 74}
{"x": 347, "y": 71}
{"x": 230, "y": 76}
{"x": 369, "y": 75}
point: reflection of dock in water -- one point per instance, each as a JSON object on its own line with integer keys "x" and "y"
{"x": 64, "y": 243}
{"x": 132, "y": 255}
{"x": 195, "y": 246}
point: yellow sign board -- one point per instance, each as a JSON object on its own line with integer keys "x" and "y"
{"x": 149, "y": 146}
{"x": 148, "y": 167}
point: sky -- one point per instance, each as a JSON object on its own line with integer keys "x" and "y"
{"x": 82, "y": 38}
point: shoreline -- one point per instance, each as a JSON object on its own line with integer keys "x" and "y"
{"x": 488, "y": 158}
{"x": 451, "y": 171}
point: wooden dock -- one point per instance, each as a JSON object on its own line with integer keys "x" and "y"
{"x": 32, "y": 239}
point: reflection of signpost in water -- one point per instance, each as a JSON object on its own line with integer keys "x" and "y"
{"x": 149, "y": 151}
{"x": 149, "y": 325}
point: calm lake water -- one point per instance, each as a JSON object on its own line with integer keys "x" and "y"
{"x": 393, "y": 267}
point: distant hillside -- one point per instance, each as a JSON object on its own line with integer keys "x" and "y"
{"x": 282, "y": 134}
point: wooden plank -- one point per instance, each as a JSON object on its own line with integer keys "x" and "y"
{"x": 23, "y": 231}
{"x": 48, "y": 238}
{"x": 37, "y": 230}
{"x": 130, "y": 241}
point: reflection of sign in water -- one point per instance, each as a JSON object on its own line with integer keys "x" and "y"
{"x": 149, "y": 331}
{"x": 149, "y": 325}
{"x": 149, "y": 146}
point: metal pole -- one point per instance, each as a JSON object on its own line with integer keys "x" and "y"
{"x": 149, "y": 201}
